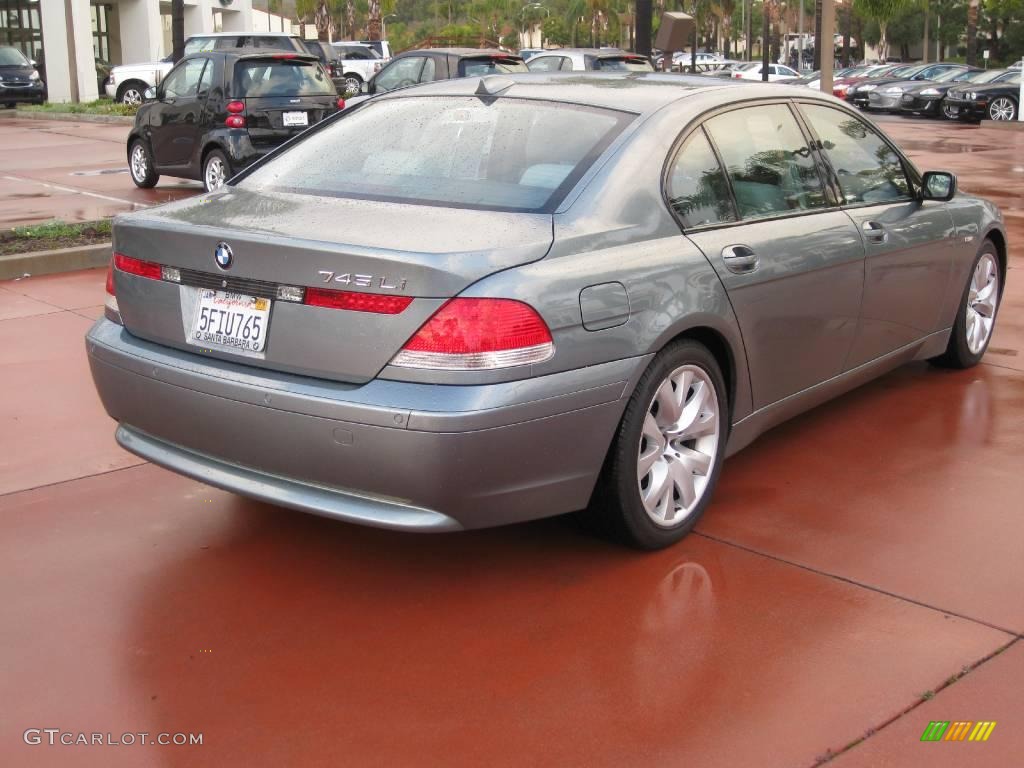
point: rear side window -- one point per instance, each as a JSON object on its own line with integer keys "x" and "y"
{"x": 697, "y": 189}
{"x": 545, "y": 63}
{"x": 624, "y": 64}
{"x": 868, "y": 169}
{"x": 490, "y": 66}
{"x": 768, "y": 161}
{"x": 509, "y": 154}
{"x": 272, "y": 77}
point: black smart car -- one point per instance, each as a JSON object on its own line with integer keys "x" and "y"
{"x": 19, "y": 79}
{"x": 215, "y": 113}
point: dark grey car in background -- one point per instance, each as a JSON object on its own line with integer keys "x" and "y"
{"x": 493, "y": 299}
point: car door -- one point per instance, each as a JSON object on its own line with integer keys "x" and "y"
{"x": 909, "y": 243}
{"x": 791, "y": 261}
{"x": 176, "y": 124}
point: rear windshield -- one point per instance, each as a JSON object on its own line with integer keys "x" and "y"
{"x": 505, "y": 154}
{"x": 624, "y": 64}
{"x": 281, "y": 77}
{"x": 490, "y": 66}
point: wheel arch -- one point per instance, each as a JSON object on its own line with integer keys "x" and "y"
{"x": 130, "y": 81}
{"x": 998, "y": 239}
{"x": 720, "y": 349}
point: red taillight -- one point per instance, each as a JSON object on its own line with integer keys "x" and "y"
{"x": 285, "y": 56}
{"x": 235, "y": 121}
{"x": 136, "y": 267}
{"x": 341, "y": 103}
{"x": 357, "y": 302}
{"x": 471, "y": 334}
{"x": 737, "y": 77}
{"x": 236, "y": 107}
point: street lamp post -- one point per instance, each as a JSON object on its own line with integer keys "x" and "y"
{"x": 384, "y": 25}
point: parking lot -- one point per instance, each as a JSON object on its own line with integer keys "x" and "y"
{"x": 857, "y": 576}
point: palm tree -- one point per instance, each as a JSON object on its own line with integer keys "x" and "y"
{"x": 972, "y": 32}
{"x": 882, "y": 12}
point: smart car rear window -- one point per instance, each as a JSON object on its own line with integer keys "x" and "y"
{"x": 281, "y": 77}
{"x": 504, "y": 154}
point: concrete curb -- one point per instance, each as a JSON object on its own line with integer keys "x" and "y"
{"x": 74, "y": 117}
{"x": 50, "y": 262}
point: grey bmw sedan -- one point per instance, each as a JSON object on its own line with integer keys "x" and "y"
{"x": 487, "y": 300}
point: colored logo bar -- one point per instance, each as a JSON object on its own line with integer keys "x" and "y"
{"x": 959, "y": 730}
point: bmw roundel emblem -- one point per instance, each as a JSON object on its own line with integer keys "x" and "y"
{"x": 223, "y": 256}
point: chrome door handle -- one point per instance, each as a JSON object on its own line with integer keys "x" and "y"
{"x": 874, "y": 232}
{"x": 739, "y": 259}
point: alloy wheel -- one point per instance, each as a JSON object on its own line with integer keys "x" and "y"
{"x": 948, "y": 112}
{"x": 216, "y": 174}
{"x": 1002, "y": 108}
{"x": 139, "y": 163}
{"x": 352, "y": 86}
{"x": 982, "y": 301}
{"x": 132, "y": 97}
{"x": 678, "y": 446}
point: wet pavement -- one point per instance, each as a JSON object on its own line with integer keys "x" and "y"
{"x": 855, "y": 562}
{"x": 72, "y": 172}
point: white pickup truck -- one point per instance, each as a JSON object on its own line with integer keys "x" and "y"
{"x": 127, "y": 82}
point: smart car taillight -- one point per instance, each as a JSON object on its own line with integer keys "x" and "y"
{"x": 235, "y": 117}
{"x": 341, "y": 103}
{"x": 138, "y": 267}
{"x": 235, "y": 121}
{"x": 236, "y": 107}
{"x": 478, "y": 334}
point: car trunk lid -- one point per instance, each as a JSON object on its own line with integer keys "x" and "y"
{"x": 435, "y": 254}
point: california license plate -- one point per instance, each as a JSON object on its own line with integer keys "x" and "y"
{"x": 296, "y": 118}
{"x": 230, "y": 320}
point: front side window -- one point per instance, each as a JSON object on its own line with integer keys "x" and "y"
{"x": 183, "y": 80}
{"x": 399, "y": 74}
{"x": 770, "y": 166}
{"x": 868, "y": 169}
{"x": 697, "y": 189}
{"x": 510, "y": 154}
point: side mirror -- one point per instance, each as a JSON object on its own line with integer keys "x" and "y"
{"x": 938, "y": 185}
{"x": 149, "y": 94}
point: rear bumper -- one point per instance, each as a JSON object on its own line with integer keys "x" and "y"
{"x": 388, "y": 454}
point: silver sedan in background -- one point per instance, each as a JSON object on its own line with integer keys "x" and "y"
{"x": 493, "y": 299}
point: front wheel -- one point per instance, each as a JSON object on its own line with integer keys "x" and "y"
{"x": 664, "y": 462}
{"x": 216, "y": 171}
{"x": 1004, "y": 108}
{"x": 131, "y": 94}
{"x": 976, "y": 318}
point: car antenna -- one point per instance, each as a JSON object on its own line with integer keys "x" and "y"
{"x": 493, "y": 85}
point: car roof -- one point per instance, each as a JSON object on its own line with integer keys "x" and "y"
{"x": 590, "y": 51}
{"x": 463, "y": 52}
{"x": 639, "y": 92}
{"x": 243, "y": 34}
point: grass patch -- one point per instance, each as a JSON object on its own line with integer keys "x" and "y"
{"x": 52, "y": 235}
{"x": 98, "y": 107}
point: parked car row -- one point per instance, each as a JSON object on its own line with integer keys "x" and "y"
{"x": 950, "y": 90}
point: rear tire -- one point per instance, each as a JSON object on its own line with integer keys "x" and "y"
{"x": 666, "y": 456}
{"x": 140, "y": 165}
{"x": 975, "y": 320}
{"x": 216, "y": 170}
{"x": 353, "y": 85}
{"x": 131, "y": 93}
